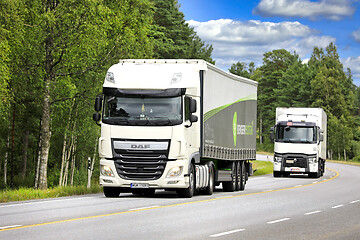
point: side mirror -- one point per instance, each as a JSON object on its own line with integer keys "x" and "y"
{"x": 193, "y": 118}
{"x": 96, "y": 118}
{"x": 272, "y": 134}
{"x": 192, "y": 105}
{"x": 98, "y": 103}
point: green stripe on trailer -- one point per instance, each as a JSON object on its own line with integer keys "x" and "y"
{"x": 214, "y": 111}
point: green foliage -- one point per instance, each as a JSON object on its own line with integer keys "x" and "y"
{"x": 284, "y": 81}
{"x": 262, "y": 167}
{"x": 172, "y": 35}
{"x": 23, "y": 194}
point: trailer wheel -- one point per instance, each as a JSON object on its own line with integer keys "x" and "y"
{"x": 211, "y": 184}
{"x": 231, "y": 186}
{"x": 189, "y": 192}
{"x": 241, "y": 176}
{"x": 111, "y": 191}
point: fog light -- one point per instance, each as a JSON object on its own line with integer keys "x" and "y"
{"x": 106, "y": 171}
{"x": 175, "y": 172}
{"x": 173, "y": 182}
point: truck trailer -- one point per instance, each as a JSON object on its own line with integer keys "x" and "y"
{"x": 181, "y": 125}
{"x": 299, "y": 137}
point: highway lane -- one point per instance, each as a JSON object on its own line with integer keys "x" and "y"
{"x": 269, "y": 208}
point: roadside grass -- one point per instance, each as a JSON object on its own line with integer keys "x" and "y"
{"x": 262, "y": 167}
{"x": 355, "y": 163}
{"x": 22, "y": 194}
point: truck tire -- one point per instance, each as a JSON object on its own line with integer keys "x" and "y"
{"x": 111, "y": 191}
{"x": 211, "y": 184}
{"x": 188, "y": 192}
{"x": 231, "y": 186}
{"x": 277, "y": 174}
{"x": 241, "y": 176}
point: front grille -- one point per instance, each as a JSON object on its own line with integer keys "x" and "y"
{"x": 292, "y": 161}
{"x": 140, "y": 164}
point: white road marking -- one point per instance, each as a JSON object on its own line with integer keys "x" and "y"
{"x": 279, "y": 220}
{"x": 314, "y": 212}
{"x": 135, "y": 209}
{"x": 356, "y": 201}
{"x": 337, "y": 206}
{"x": 10, "y": 226}
{"x": 226, "y": 233}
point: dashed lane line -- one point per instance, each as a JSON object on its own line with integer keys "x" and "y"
{"x": 170, "y": 205}
{"x": 227, "y": 233}
{"x": 314, "y": 212}
{"x": 279, "y": 220}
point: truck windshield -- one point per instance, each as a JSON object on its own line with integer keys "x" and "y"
{"x": 164, "y": 111}
{"x": 296, "y": 134}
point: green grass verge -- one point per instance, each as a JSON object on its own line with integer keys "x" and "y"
{"x": 262, "y": 167}
{"x": 355, "y": 163}
{"x": 23, "y": 194}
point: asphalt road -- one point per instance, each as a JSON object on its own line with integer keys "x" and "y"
{"x": 270, "y": 208}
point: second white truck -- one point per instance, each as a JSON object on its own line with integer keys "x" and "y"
{"x": 299, "y": 137}
{"x": 180, "y": 125}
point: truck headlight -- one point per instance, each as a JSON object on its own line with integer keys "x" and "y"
{"x": 106, "y": 171}
{"x": 175, "y": 172}
{"x": 278, "y": 159}
{"x": 313, "y": 160}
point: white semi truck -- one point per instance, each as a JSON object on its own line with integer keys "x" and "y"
{"x": 181, "y": 125}
{"x": 300, "y": 141}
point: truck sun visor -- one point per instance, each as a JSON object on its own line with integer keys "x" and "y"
{"x": 170, "y": 92}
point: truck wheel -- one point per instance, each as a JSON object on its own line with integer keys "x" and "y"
{"x": 111, "y": 191}
{"x": 211, "y": 184}
{"x": 231, "y": 186}
{"x": 241, "y": 175}
{"x": 189, "y": 192}
{"x": 277, "y": 174}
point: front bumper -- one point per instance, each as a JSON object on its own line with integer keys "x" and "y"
{"x": 164, "y": 182}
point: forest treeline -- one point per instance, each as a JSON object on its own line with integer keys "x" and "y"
{"x": 286, "y": 81}
{"x": 54, "y": 56}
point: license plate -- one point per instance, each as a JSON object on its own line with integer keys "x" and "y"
{"x": 295, "y": 169}
{"x": 139, "y": 185}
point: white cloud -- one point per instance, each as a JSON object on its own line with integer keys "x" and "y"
{"x": 330, "y": 9}
{"x": 247, "y": 41}
{"x": 356, "y": 35}
{"x": 354, "y": 64}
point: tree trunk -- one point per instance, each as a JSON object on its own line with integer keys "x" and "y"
{"x": 73, "y": 161}
{"x": 6, "y": 157}
{"x": 46, "y": 117}
{"x": 25, "y": 149}
{"x": 260, "y": 137}
{"x": 344, "y": 154}
{"x": 12, "y": 149}
{"x": 45, "y": 136}
{"x": 37, "y": 171}
{"x": 64, "y": 152}
{"x": 91, "y": 165}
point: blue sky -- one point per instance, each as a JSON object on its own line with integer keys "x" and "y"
{"x": 243, "y": 30}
